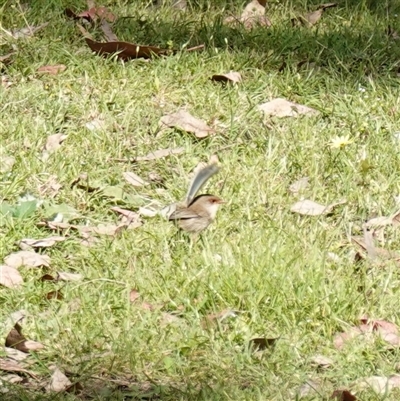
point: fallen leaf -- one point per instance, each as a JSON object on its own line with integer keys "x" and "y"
{"x": 184, "y": 121}
{"x": 52, "y": 69}
{"x": 133, "y": 179}
{"x": 69, "y": 276}
{"x": 322, "y": 361}
{"x": 5, "y": 81}
{"x": 27, "y": 243}
{"x": 6, "y": 58}
{"x": 262, "y": 343}
{"x": 313, "y": 17}
{"x": 58, "y": 382}
{"x": 50, "y": 188}
{"x": 378, "y": 222}
{"x": 343, "y": 395}
{"x": 283, "y": 108}
{"x": 253, "y": 15}
{"x": 155, "y": 177}
{"x": 133, "y": 295}
{"x": 310, "y": 387}
{"x": 158, "y": 154}
{"x": 10, "y": 277}
{"x": 129, "y": 214}
{"x": 26, "y": 32}
{"x": 108, "y": 33}
{"x": 232, "y": 76}
{"x": 341, "y": 339}
{"x": 27, "y": 258}
{"x": 310, "y": 208}
{"x": 143, "y": 211}
{"x": 13, "y": 366}
{"x": 97, "y": 124}
{"x": 299, "y": 186}
{"x": 382, "y": 253}
{"x": 379, "y": 384}
{"x": 212, "y": 319}
{"x": 15, "y": 354}
{"x": 92, "y": 14}
{"x": 15, "y": 339}
{"x": 54, "y": 142}
{"x": 6, "y": 163}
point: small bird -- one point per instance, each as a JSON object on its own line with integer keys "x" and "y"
{"x": 197, "y": 213}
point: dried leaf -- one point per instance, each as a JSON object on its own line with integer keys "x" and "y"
{"x": 27, "y": 258}
{"x": 322, "y": 361}
{"x": 254, "y": 15}
{"x": 50, "y": 188}
{"x": 27, "y": 243}
{"x": 108, "y": 229}
{"x": 133, "y": 295}
{"x": 299, "y": 185}
{"x": 159, "y": 154}
{"x": 283, "y": 108}
{"x": 369, "y": 244}
{"x": 212, "y": 319}
{"x": 26, "y": 32}
{"x": 52, "y": 69}
{"x": 92, "y": 14}
{"x": 143, "y": 211}
{"x": 125, "y": 50}
{"x": 69, "y": 276}
{"x": 341, "y": 339}
{"x": 382, "y": 253}
{"x": 133, "y": 179}
{"x": 131, "y": 216}
{"x": 13, "y": 366}
{"x": 184, "y": 121}
{"x": 58, "y": 382}
{"x": 379, "y": 384}
{"x": 10, "y": 277}
{"x": 15, "y": 354}
{"x": 310, "y": 208}
{"x": 313, "y": 17}
{"x": 108, "y": 33}
{"x": 343, "y": 395}
{"x": 6, "y": 163}
{"x": 54, "y": 142}
{"x": 231, "y": 76}
{"x": 6, "y": 58}
{"x": 383, "y": 221}
{"x": 310, "y": 387}
{"x": 55, "y": 295}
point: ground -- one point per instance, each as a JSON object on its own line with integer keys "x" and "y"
{"x": 140, "y": 320}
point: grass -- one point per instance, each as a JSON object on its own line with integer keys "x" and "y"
{"x": 269, "y": 265}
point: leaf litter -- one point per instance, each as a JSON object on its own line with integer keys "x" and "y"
{"x": 284, "y": 108}
{"x": 27, "y": 259}
{"x": 252, "y": 16}
{"x": 231, "y": 77}
{"x": 310, "y": 208}
{"x": 184, "y": 121}
{"x": 10, "y": 277}
{"x": 28, "y": 243}
{"x": 52, "y": 69}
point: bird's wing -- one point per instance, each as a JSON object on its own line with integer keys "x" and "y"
{"x": 199, "y": 180}
{"x": 179, "y": 214}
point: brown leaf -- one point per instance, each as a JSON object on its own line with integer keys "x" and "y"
{"x": 133, "y": 179}
{"x": 125, "y": 50}
{"x": 310, "y": 387}
{"x": 58, "y": 382}
{"x": 27, "y": 243}
{"x": 50, "y": 188}
{"x": 262, "y": 343}
{"x": 13, "y": 366}
{"x": 27, "y": 258}
{"x": 327, "y": 5}
{"x": 15, "y": 339}
{"x": 92, "y": 14}
{"x": 52, "y": 69}
{"x": 231, "y": 76}
{"x": 310, "y": 208}
{"x": 6, "y": 59}
{"x": 382, "y": 253}
{"x": 26, "y": 32}
{"x": 322, "y": 361}
{"x": 15, "y": 354}
{"x": 369, "y": 244}
{"x": 108, "y": 33}
{"x": 253, "y": 15}
{"x": 184, "y": 121}
{"x": 64, "y": 276}
{"x": 299, "y": 185}
{"x": 133, "y": 295}
{"x": 378, "y": 222}
{"x": 132, "y": 219}
{"x": 160, "y": 153}
{"x": 341, "y": 339}
{"x": 313, "y": 17}
{"x": 343, "y": 395}
{"x": 54, "y": 142}
{"x": 283, "y": 108}
{"x": 10, "y": 277}
{"x": 379, "y": 384}
{"x": 212, "y": 319}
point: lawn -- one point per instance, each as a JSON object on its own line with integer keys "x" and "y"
{"x": 248, "y": 311}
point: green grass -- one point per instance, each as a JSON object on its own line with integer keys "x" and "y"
{"x": 259, "y": 259}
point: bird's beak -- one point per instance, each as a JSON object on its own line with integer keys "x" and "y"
{"x": 221, "y": 202}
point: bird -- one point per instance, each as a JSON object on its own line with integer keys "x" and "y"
{"x": 196, "y": 213}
